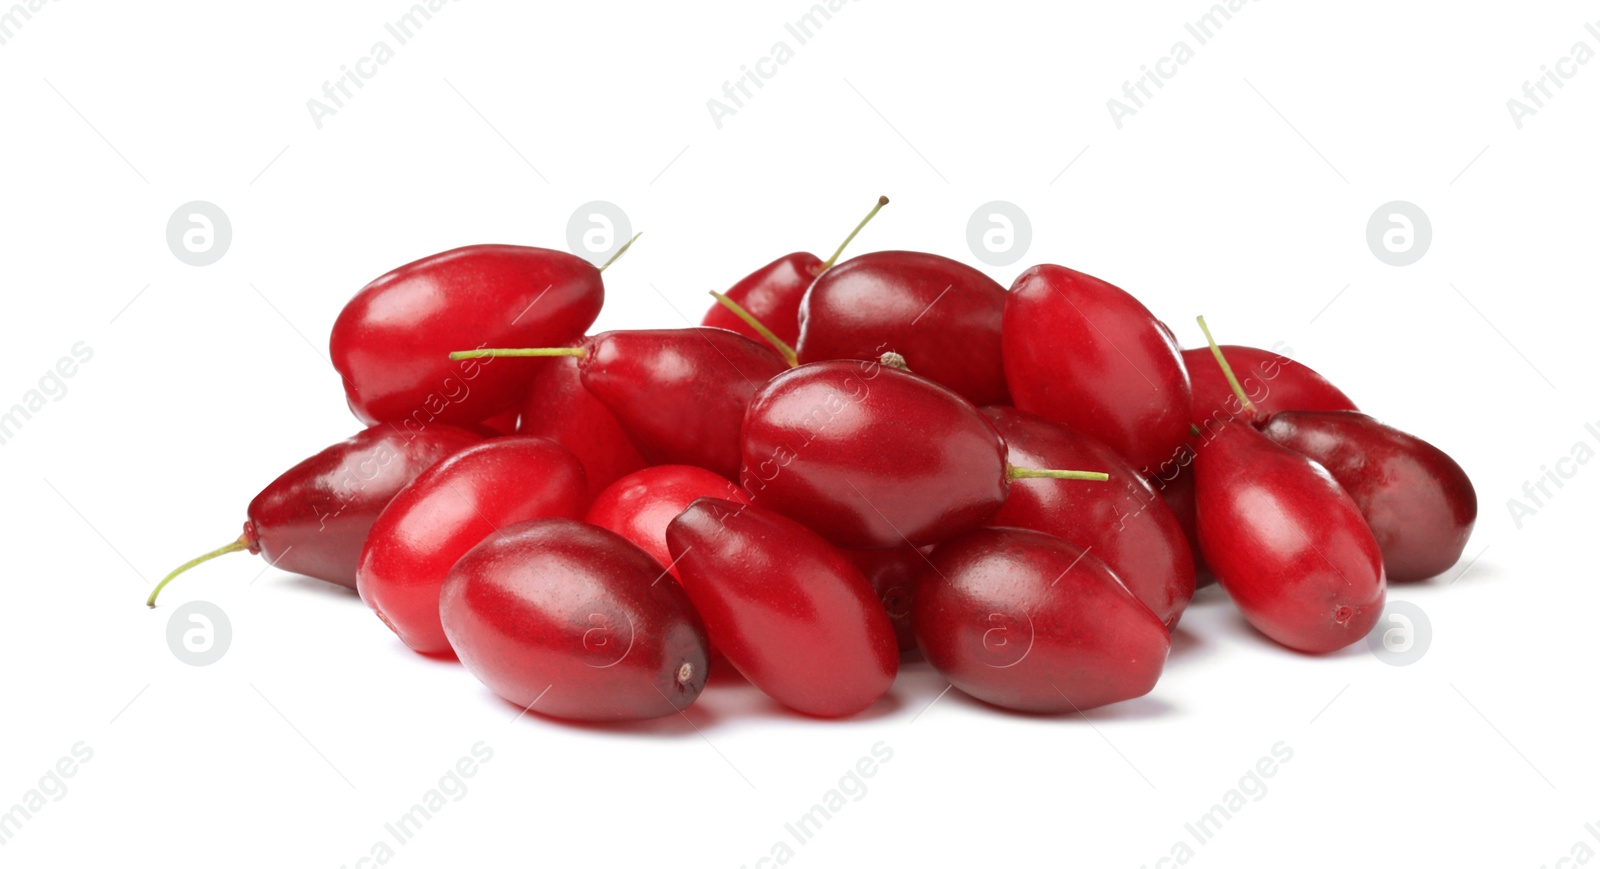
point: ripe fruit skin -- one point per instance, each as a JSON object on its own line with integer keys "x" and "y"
{"x": 1418, "y": 502}
{"x": 1286, "y": 542}
{"x": 1027, "y": 621}
{"x": 893, "y": 575}
{"x": 1272, "y": 382}
{"x": 786, "y": 608}
{"x": 1085, "y": 354}
{"x": 391, "y": 343}
{"x": 941, "y": 315}
{"x": 314, "y": 518}
{"x": 641, "y": 505}
{"x": 445, "y": 512}
{"x": 679, "y": 393}
{"x": 558, "y": 407}
{"x": 772, "y": 295}
{"x": 863, "y": 454}
{"x": 567, "y": 620}
{"x": 1122, "y": 522}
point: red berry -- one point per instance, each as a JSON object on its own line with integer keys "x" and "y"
{"x": 314, "y": 518}
{"x": 1271, "y": 381}
{"x": 1418, "y": 502}
{"x": 570, "y": 621}
{"x": 445, "y": 512}
{"x": 772, "y": 295}
{"x": 641, "y": 505}
{"x": 786, "y": 608}
{"x": 1083, "y": 353}
{"x": 558, "y": 407}
{"x": 1122, "y": 522}
{"x": 392, "y": 341}
{"x": 1286, "y": 542}
{"x": 893, "y": 575}
{"x": 941, "y": 315}
{"x": 872, "y": 457}
{"x": 1027, "y": 621}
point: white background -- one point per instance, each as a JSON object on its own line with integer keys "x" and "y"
{"x": 1241, "y": 191}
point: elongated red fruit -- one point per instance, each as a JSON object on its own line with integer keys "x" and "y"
{"x": 445, "y": 512}
{"x": 941, "y": 315}
{"x": 1083, "y": 353}
{"x": 772, "y": 295}
{"x": 1287, "y": 543}
{"x": 1027, "y": 621}
{"x": 786, "y": 608}
{"x": 641, "y": 505}
{"x": 1270, "y": 380}
{"x": 558, "y": 407}
{"x": 392, "y": 341}
{"x": 872, "y": 457}
{"x": 893, "y": 575}
{"x": 1123, "y": 522}
{"x": 314, "y": 518}
{"x": 570, "y": 621}
{"x": 1418, "y": 502}
{"x": 680, "y": 393}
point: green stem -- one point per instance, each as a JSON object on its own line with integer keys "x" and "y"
{"x": 498, "y": 352}
{"x": 777, "y": 343}
{"x": 622, "y": 250}
{"x": 1016, "y": 473}
{"x": 1227, "y": 370}
{"x": 882, "y": 201}
{"x": 242, "y": 543}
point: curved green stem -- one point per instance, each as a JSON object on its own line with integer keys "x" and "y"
{"x": 498, "y": 352}
{"x": 1227, "y": 370}
{"x": 1015, "y": 473}
{"x": 622, "y": 250}
{"x": 777, "y": 343}
{"x": 242, "y": 543}
{"x": 882, "y": 201}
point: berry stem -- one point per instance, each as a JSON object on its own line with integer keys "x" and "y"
{"x": 777, "y": 343}
{"x": 882, "y": 201}
{"x": 1227, "y": 370}
{"x": 242, "y": 543}
{"x": 622, "y": 250}
{"x": 498, "y": 352}
{"x": 894, "y": 360}
{"x": 1016, "y": 473}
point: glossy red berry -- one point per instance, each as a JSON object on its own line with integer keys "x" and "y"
{"x": 641, "y": 505}
{"x": 570, "y": 621}
{"x": 943, "y": 316}
{"x": 1027, "y": 621}
{"x": 1271, "y": 381}
{"x": 314, "y": 518}
{"x": 1418, "y": 502}
{"x": 391, "y": 343}
{"x": 893, "y": 575}
{"x": 1123, "y": 522}
{"x": 772, "y": 295}
{"x": 791, "y": 613}
{"x": 445, "y": 512}
{"x": 1083, "y": 353}
{"x": 870, "y": 456}
{"x": 1286, "y": 542}
{"x": 558, "y": 407}
{"x": 679, "y": 393}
